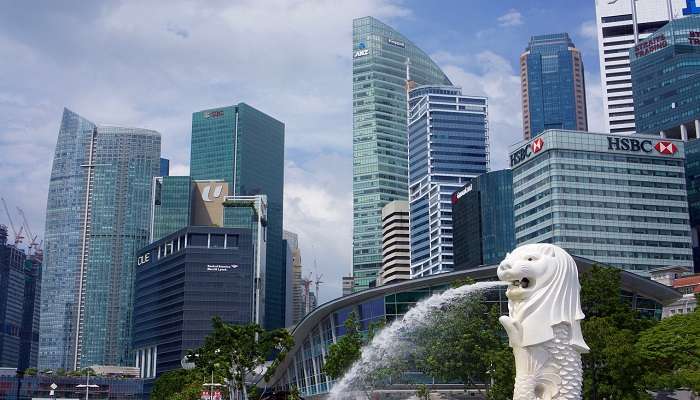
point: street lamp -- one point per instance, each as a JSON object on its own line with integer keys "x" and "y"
{"x": 87, "y": 385}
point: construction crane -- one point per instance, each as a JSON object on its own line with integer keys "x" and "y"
{"x": 306, "y": 283}
{"x": 318, "y": 281}
{"x": 18, "y": 234}
{"x": 34, "y": 247}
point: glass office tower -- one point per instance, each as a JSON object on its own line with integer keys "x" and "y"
{"x": 615, "y": 199}
{"x": 172, "y": 204}
{"x": 245, "y": 148}
{"x": 97, "y": 217}
{"x": 447, "y": 146}
{"x": 553, "y": 85}
{"x": 665, "y": 70}
{"x": 381, "y": 57}
{"x": 482, "y": 219}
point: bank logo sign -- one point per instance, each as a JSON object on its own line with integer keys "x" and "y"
{"x": 666, "y": 147}
{"x": 691, "y": 8}
{"x": 645, "y": 146}
{"x": 221, "y": 267}
{"x": 526, "y": 151}
{"x": 213, "y": 114}
{"x": 361, "y": 51}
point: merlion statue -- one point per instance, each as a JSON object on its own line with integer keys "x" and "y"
{"x": 543, "y": 324}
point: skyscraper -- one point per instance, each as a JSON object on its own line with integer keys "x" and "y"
{"x": 245, "y": 148}
{"x": 665, "y": 70}
{"x": 295, "y": 302}
{"x": 381, "y": 57}
{"x": 447, "y": 146}
{"x": 621, "y": 24}
{"x": 553, "y": 85}
{"x": 20, "y": 287}
{"x": 97, "y": 217}
{"x": 482, "y": 220}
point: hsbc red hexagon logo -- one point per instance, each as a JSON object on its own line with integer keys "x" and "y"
{"x": 665, "y": 147}
{"x": 537, "y": 145}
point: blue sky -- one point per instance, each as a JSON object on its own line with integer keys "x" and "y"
{"x": 151, "y": 64}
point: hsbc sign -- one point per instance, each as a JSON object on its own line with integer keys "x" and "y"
{"x": 645, "y": 146}
{"x": 526, "y": 151}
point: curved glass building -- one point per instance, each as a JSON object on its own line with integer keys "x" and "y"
{"x": 383, "y": 59}
{"x": 97, "y": 217}
{"x": 303, "y": 366}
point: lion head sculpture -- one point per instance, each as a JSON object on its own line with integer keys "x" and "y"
{"x": 543, "y": 291}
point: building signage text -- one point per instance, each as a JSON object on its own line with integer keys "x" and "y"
{"x": 213, "y": 114}
{"x": 397, "y": 43}
{"x": 694, "y": 37}
{"x": 220, "y": 267}
{"x": 361, "y": 53}
{"x": 526, "y": 151}
{"x": 143, "y": 259}
{"x": 636, "y": 145}
{"x": 650, "y": 45}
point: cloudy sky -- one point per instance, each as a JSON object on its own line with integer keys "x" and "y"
{"x": 151, "y": 64}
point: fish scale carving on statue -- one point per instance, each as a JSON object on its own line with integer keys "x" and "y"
{"x": 544, "y": 322}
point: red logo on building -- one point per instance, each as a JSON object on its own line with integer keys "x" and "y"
{"x": 537, "y": 145}
{"x": 666, "y": 147}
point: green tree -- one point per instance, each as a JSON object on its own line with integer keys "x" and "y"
{"x": 613, "y": 369}
{"x": 464, "y": 343}
{"x": 422, "y": 392}
{"x": 235, "y": 351}
{"x": 346, "y": 350}
{"x": 673, "y": 348}
{"x": 180, "y": 384}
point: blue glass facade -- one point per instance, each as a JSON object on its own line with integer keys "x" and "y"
{"x": 380, "y": 162}
{"x": 447, "y": 146}
{"x": 164, "y": 167}
{"x": 692, "y": 176}
{"x": 172, "y": 205}
{"x": 39, "y": 387}
{"x": 665, "y": 70}
{"x": 97, "y": 217}
{"x": 553, "y": 85}
{"x": 245, "y": 147}
{"x": 482, "y": 215}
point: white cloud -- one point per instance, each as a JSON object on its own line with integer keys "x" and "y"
{"x": 146, "y": 65}
{"x": 589, "y": 30}
{"x": 512, "y": 18}
{"x": 491, "y": 75}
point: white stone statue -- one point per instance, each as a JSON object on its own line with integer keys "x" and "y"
{"x": 543, "y": 324}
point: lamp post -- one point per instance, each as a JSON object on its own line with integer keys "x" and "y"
{"x": 87, "y": 385}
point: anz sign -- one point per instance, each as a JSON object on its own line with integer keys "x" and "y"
{"x": 361, "y": 51}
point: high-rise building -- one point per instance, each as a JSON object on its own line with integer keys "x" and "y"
{"x": 164, "y": 167}
{"x": 665, "y": 70}
{"x": 184, "y": 280}
{"x": 613, "y": 199}
{"x": 621, "y": 24}
{"x": 295, "y": 301}
{"x": 447, "y": 146}
{"x": 381, "y": 58}
{"x": 20, "y": 287}
{"x": 97, "y": 217}
{"x": 482, "y": 219}
{"x": 245, "y": 148}
{"x": 553, "y": 85}
{"x": 692, "y": 176}
{"x": 396, "y": 250}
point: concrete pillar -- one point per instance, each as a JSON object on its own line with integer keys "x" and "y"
{"x": 663, "y": 134}
{"x": 684, "y": 133}
{"x": 697, "y": 129}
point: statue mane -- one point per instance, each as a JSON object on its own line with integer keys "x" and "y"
{"x": 557, "y": 302}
